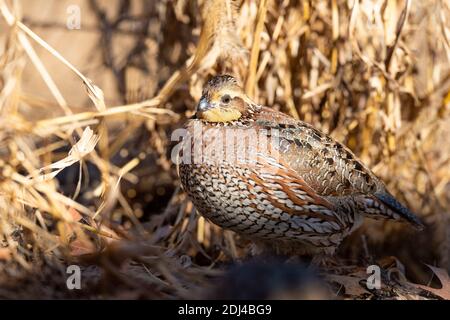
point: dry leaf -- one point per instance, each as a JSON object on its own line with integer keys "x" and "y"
{"x": 75, "y": 215}
{"x": 443, "y": 277}
{"x": 351, "y": 283}
{"x": 83, "y": 147}
{"x": 81, "y": 246}
{"x": 96, "y": 94}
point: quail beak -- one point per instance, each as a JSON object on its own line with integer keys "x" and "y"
{"x": 203, "y": 105}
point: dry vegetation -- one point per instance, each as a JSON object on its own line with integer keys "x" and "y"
{"x": 373, "y": 74}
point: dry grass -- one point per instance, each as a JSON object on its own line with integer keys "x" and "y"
{"x": 373, "y": 74}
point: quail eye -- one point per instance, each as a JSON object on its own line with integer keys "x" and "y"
{"x": 226, "y": 99}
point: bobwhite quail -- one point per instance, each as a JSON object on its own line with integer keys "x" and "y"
{"x": 275, "y": 179}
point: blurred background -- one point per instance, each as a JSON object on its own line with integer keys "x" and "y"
{"x": 373, "y": 74}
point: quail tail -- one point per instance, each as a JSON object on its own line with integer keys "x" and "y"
{"x": 397, "y": 211}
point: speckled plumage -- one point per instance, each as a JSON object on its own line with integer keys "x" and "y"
{"x": 304, "y": 193}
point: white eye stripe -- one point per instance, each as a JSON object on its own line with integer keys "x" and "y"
{"x": 228, "y": 91}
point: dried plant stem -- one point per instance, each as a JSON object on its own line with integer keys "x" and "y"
{"x": 254, "y": 56}
{"x": 10, "y": 20}
{"x": 148, "y": 106}
{"x": 93, "y": 90}
{"x": 400, "y": 25}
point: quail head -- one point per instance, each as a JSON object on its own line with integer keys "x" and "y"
{"x": 277, "y": 180}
